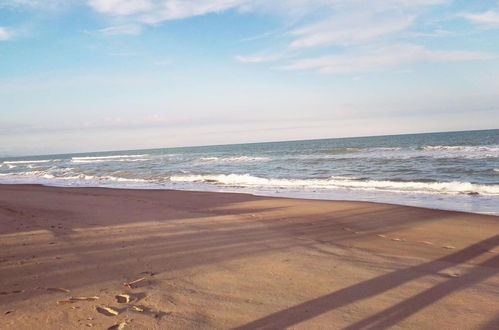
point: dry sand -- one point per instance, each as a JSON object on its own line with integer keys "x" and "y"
{"x": 215, "y": 260}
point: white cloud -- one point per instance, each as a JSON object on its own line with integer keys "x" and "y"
{"x": 131, "y": 29}
{"x": 174, "y": 9}
{"x": 349, "y": 30}
{"x": 488, "y": 19}
{"x": 153, "y": 12}
{"x": 368, "y": 32}
{"x": 5, "y": 34}
{"x": 372, "y": 35}
{"x": 156, "y": 11}
{"x": 383, "y": 58}
{"x": 121, "y": 7}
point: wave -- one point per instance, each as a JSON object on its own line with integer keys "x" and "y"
{"x": 9, "y": 166}
{"x": 71, "y": 176}
{"x": 119, "y": 158}
{"x": 489, "y": 148}
{"x": 384, "y": 149}
{"x": 240, "y": 159}
{"x": 109, "y": 160}
{"x": 247, "y": 180}
{"x": 103, "y": 178}
{"x": 29, "y": 161}
{"x": 110, "y": 157}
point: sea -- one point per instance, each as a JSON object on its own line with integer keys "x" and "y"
{"x": 451, "y": 170}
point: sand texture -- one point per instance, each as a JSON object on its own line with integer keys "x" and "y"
{"x": 69, "y": 258}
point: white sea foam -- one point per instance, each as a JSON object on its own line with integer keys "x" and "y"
{"x": 29, "y": 161}
{"x": 67, "y": 176}
{"x": 110, "y": 157}
{"x": 247, "y": 180}
{"x": 103, "y": 178}
{"x": 88, "y": 161}
{"x": 208, "y": 159}
{"x": 119, "y": 158}
{"x": 240, "y": 159}
{"x": 465, "y": 152}
{"x": 487, "y": 148}
{"x": 384, "y": 149}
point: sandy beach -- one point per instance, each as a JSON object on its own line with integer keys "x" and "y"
{"x": 217, "y": 261}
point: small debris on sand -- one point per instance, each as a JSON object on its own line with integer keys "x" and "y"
{"x": 58, "y": 289}
{"x": 118, "y": 326}
{"x": 64, "y": 302}
{"x": 137, "y": 309}
{"x": 108, "y": 311}
{"x": 123, "y": 298}
{"x": 93, "y": 298}
{"x": 131, "y": 285}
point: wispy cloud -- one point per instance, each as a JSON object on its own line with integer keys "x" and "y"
{"x": 153, "y": 12}
{"x": 363, "y": 36}
{"x": 368, "y": 32}
{"x": 121, "y": 7}
{"x": 382, "y": 58}
{"x": 129, "y": 29}
{"x": 488, "y": 19}
{"x": 349, "y": 30}
{"x": 5, "y": 34}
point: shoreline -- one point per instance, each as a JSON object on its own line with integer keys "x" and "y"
{"x": 235, "y": 260}
{"x": 280, "y": 194}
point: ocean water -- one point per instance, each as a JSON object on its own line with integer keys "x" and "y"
{"x": 452, "y": 170}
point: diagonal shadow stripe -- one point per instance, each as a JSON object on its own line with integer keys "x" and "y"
{"x": 369, "y": 288}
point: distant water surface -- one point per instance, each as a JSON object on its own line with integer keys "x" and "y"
{"x": 453, "y": 170}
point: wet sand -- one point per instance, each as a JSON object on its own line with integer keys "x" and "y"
{"x": 218, "y": 260}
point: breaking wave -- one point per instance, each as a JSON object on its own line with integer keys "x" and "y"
{"x": 67, "y": 175}
{"x": 29, "y": 161}
{"x": 247, "y": 180}
{"x": 101, "y": 159}
{"x": 490, "y": 148}
{"x": 241, "y": 159}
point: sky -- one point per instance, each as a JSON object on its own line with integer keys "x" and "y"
{"x": 95, "y": 75}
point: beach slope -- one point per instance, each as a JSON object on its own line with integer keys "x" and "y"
{"x": 69, "y": 258}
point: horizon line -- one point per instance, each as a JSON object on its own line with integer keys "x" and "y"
{"x": 244, "y": 143}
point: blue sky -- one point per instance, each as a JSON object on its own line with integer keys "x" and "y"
{"x": 89, "y": 75}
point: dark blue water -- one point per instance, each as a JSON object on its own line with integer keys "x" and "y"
{"x": 453, "y": 170}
